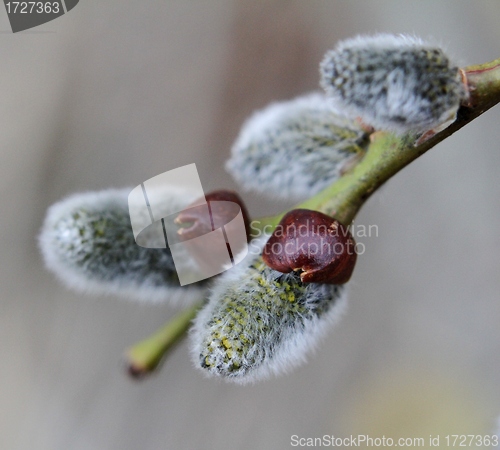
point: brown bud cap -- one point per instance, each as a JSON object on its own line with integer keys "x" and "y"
{"x": 223, "y": 207}
{"x": 317, "y": 244}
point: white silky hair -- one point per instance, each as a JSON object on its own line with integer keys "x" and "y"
{"x": 293, "y": 149}
{"x": 396, "y": 83}
{"x": 110, "y": 262}
{"x": 228, "y": 330}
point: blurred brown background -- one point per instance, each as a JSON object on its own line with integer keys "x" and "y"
{"x": 116, "y": 92}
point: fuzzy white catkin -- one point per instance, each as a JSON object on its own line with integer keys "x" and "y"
{"x": 87, "y": 241}
{"x": 259, "y": 322}
{"x": 395, "y": 83}
{"x": 293, "y": 149}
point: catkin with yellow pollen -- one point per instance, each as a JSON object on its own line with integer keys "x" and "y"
{"x": 259, "y": 322}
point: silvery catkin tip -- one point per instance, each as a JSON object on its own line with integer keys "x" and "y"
{"x": 395, "y": 83}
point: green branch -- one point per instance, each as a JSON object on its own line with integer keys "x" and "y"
{"x": 386, "y": 155}
{"x": 145, "y": 356}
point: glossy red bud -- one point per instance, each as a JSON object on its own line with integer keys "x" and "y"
{"x": 223, "y": 206}
{"x": 223, "y": 212}
{"x": 311, "y": 242}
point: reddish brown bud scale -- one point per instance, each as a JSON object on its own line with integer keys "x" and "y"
{"x": 223, "y": 211}
{"x": 223, "y": 206}
{"x": 310, "y": 241}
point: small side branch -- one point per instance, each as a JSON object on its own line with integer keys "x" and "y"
{"x": 145, "y": 356}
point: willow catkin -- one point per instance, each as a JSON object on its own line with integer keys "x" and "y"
{"x": 260, "y": 322}
{"x": 87, "y": 241}
{"x": 293, "y": 149}
{"x": 396, "y": 83}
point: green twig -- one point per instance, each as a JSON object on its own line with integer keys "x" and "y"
{"x": 145, "y": 356}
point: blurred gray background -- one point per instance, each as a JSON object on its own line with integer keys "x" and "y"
{"x": 116, "y": 92}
